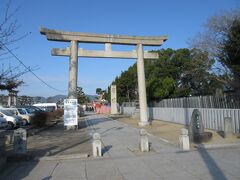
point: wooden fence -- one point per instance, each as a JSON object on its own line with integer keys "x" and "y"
{"x": 213, "y": 118}
{"x": 230, "y": 101}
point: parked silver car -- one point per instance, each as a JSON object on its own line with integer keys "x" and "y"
{"x": 12, "y": 120}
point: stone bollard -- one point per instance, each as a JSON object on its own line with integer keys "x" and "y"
{"x": 9, "y": 138}
{"x": 97, "y": 145}
{"x": 144, "y": 144}
{"x": 20, "y": 141}
{"x": 184, "y": 140}
{"x": 227, "y": 127}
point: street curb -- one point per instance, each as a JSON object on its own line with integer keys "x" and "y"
{"x": 62, "y": 157}
{"x": 214, "y": 146}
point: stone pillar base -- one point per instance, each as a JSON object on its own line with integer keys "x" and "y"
{"x": 144, "y": 144}
{"x": 143, "y": 123}
{"x": 115, "y": 113}
{"x": 136, "y": 114}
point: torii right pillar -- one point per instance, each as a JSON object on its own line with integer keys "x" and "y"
{"x": 142, "y": 86}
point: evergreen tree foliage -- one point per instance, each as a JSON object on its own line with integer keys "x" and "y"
{"x": 177, "y": 73}
{"x": 82, "y": 98}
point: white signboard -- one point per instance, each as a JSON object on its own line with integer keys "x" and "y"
{"x": 70, "y": 112}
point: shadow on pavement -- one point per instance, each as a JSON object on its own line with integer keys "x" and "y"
{"x": 95, "y": 121}
{"x": 106, "y": 149}
{"x": 57, "y": 141}
{"x": 221, "y": 133}
{"x": 212, "y": 166}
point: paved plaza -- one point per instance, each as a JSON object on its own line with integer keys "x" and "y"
{"x": 65, "y": 157}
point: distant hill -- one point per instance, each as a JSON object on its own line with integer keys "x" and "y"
{"x": 27, "y": 100}
{"x": 92, "y": 97}
{"x": 53, "y": 99}
{"x": 57, "y": 98}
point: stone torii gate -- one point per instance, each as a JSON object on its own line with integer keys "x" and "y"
{"x": 74, "y": 52}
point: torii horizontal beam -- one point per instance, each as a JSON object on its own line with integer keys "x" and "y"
{"x": 103, "y": 54}
{"x": 56, "y": 35}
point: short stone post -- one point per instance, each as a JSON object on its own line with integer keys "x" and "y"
{"x": 9, "y": 139}
{"x": 144, "y": 144}
{"x": 20, "y": 141}
{"x": 227, "y": 127}
{"x": 97, "y": 145}
{"x": 2, "y": 151}
{"x": 184, "y": 140}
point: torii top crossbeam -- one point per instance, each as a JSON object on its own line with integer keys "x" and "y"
{"x": 56, "y": 35}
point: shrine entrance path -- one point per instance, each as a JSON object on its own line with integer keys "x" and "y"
{"x": 122, "y": 159}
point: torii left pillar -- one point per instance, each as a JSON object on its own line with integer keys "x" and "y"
{"x": 73, "y": 74}
{"x": 73, "y": 70}
{"x": 142, "y": 86}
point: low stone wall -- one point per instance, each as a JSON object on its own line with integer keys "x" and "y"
{"x": 128, "y": 110}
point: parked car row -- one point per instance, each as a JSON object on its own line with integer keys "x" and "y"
{"x": 11, "y": 118}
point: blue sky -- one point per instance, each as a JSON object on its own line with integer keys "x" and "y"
{"x": 180, "y": 20}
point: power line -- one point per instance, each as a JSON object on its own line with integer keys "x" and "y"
{"x": 28, "y": 68}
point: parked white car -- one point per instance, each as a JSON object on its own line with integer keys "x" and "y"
{"x": 22, "y": 113}
{"x": 12, "y": 120}
{"x": 48, "y": 107}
